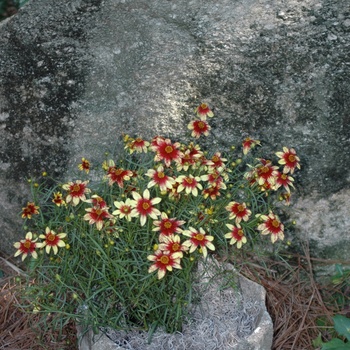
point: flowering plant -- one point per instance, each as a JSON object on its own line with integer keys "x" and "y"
{"x": 121, "y": 252}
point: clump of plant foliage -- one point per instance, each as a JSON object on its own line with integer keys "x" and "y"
{"x": 121, "y": 251}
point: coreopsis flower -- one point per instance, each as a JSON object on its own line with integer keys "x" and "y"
{"x": 217, "y": 162}
{"x": 238, "y": 211}
{"x": 97, "y": 201}
{"x": 271, "y": 225}
{"x": 286, "y": 196}
{"x": 27, "y": 246}
{"x": 172, "y": 244}
{"x": 156, "y": 140}
{"x": 216, "y": 178}
{"x": 159, "y": 178}
{"x": 164, "y": 261}
{"x": 139, "y": 145}
{"x": 123, "y": 209}
{"x": 29, "y": 210}
{"x": 58, "y": 199}
{"x": 97, "y": 215}
{"x": 198, "y": 239}
{"x": 189, "y": 183}
{"x": 144, "y": 206}
{"x": 204, "y": 111}
{"x": 199, "y": 127}
{"x": 284, "y": 180}
{"x": 266, "y": 172}
{"x": 76, "y": 191}
{"x": 248, "y": 144}
{"x": 236, "y": 235}
{"x": 167, "y": 226}
{"x": 84, "y": 165}
{"x": 52, "y": 240}
{"x": 289, "y": 159}
{"x": 212, "y": 191}
{"x": 167, "y": 152}
{"x": 118, "y": 175}
{"x": 190, "y": 157}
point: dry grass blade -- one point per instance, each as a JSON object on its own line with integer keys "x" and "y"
{"x": 20, "y": 330}
{"x": 294, "y": 301}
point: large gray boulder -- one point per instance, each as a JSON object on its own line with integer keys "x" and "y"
{"x": 76, "y": 74}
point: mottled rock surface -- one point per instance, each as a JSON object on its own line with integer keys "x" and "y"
{"x": 73, "y": 77}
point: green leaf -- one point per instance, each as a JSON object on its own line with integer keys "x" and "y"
{"x": 342, "y": 326}
{"x": 336, "y": 344}
{"x": 318, "y": 341}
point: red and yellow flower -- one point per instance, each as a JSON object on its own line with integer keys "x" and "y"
{"x": 84, "y": 165}
{"x": 167, "y": 152}
{"x": 198, "y": 238}
{"x": 167, "y": 226}
{"x": 204, "y": 111}
{"x": 212, "y": 191}
{"x": 284, "y": 180}
{"x": 118, "y": 175}
{"x": 27, "y": 246}
{"x": 52, "y": 240}
{"x": 139, "y": 145}
{"x": 164, "y": 261}
{"x": 271, "y": 225}
{"x": 159, "y": 178}
{"x": 248, "y": 144}
{"x": 189, "y": 183}
{"x": 124, "y": 209}
{"x": 266, "y": 172}
{"x": 76, "y": 191}
{"x": 217, "y": 162}
{"x": 236, "y": 235}
{"x": 29, "y": 210}
{"x": 199, "y": 127}
{"x": 216, "y": 178}
{"x": 58, "y": 199}
{"x": 97, "y": 215}
{"x": 289, "y": 159}
{"x": 143, "y": 206}
{"x": 190, "y": 157}
{"x": 97, "y": 201}
{"x": 172, "y": 244}
{"x": 238, "y": 211}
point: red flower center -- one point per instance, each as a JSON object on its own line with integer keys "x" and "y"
{"x": 126, "y": 210}
{"x": 189, "y": 180}
{"x": 169, "y": 149}
{"x": 164, "y": 260}
{"x": 118, "y": 171}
